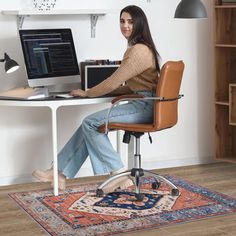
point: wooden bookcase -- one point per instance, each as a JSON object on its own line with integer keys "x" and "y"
{"x": 225, "y": 80}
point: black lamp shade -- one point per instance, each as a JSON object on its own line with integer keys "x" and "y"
{"x": 190, "y": 9}
{"x": 10, "y": 65}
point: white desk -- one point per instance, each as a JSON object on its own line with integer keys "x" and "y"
{"x": 53, "y": 105}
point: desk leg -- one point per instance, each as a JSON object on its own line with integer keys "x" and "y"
{"x": 54, "y": 150}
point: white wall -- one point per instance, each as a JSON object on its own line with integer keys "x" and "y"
{"x": 25, "y": 132}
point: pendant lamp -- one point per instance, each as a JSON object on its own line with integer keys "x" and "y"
{"x": 190, "y": 9}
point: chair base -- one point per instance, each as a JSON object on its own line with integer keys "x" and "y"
{"x": 138, "y": 173}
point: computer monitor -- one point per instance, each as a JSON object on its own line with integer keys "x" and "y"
{"x": 50, "y": 58}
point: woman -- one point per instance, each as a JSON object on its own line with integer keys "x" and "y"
{"x": 139, "y": 70}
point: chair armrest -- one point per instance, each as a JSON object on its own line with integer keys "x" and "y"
{"x": 130, "y": 97}
{"x": 126, "y": 96}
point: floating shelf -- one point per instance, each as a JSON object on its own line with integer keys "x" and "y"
{"x": 57, "y": 12}
{"x": 94, "y": 14}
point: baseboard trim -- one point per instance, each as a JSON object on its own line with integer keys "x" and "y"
{"x": 17, "y": 179}
{"x": 87, "y": 171}
{"x": 161, "y": 164}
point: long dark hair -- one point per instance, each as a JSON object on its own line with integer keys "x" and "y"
{"x": 141, "y": 32}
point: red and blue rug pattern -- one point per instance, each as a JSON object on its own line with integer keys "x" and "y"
{"x": 77, "y": 211}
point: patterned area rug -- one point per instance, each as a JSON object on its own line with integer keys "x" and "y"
{"x": 79, "y": 212}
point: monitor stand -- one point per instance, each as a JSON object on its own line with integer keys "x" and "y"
{"x": 41, "y": 91}
{"x": 62, "y": 88}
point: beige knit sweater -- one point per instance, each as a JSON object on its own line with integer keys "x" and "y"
{"x": 137, "y": 69}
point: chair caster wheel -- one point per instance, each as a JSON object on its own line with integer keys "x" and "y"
{"x": 156, "y": 185}
{"x": 139, "y": 197}
{"x": 99, "y": 193}
{"x": 175, "y": 192}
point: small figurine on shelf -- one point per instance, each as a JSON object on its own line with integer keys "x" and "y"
{"x": 44, "y": 5}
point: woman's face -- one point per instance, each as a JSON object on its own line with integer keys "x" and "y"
{"x": 126, "y": 24}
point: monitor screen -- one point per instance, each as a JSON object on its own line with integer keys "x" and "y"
{"x": 49, "y": 56}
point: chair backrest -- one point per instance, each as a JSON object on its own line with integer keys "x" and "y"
{"x": 166, "y": 112}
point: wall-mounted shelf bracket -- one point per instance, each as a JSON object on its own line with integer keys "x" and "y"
{"x": 20, "y": 21}
{"x": 93, "y": 20}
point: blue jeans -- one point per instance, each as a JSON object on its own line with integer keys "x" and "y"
{"x": 88, "y": 141}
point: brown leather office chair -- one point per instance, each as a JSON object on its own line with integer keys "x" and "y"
{"x": 165, "y": 116}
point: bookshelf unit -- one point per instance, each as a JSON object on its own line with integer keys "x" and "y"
{"x": 225, "y": 80}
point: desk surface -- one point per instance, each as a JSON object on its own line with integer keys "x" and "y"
{"x": 19, "y": 97}
{"x": 54, "y": 102}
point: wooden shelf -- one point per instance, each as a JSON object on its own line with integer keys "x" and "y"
{"x": 223, "y": 45}
{"x": 223, "y": 103}
{"x": 232, "y": 123}
{"x": 225, "y": 6}
{"x": 225, "y": 81}
{"x": 227, "y": 159}
{"x": 94, "y": 14}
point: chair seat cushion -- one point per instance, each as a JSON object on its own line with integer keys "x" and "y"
{"x": 128, "y": 127}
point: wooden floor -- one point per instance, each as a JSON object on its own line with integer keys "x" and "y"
{"x": 220, "y": 177}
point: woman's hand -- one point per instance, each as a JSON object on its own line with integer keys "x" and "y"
{"x": 78, "y": 93}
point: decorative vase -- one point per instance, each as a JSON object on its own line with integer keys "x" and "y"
{"x": 44, "y": 5}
